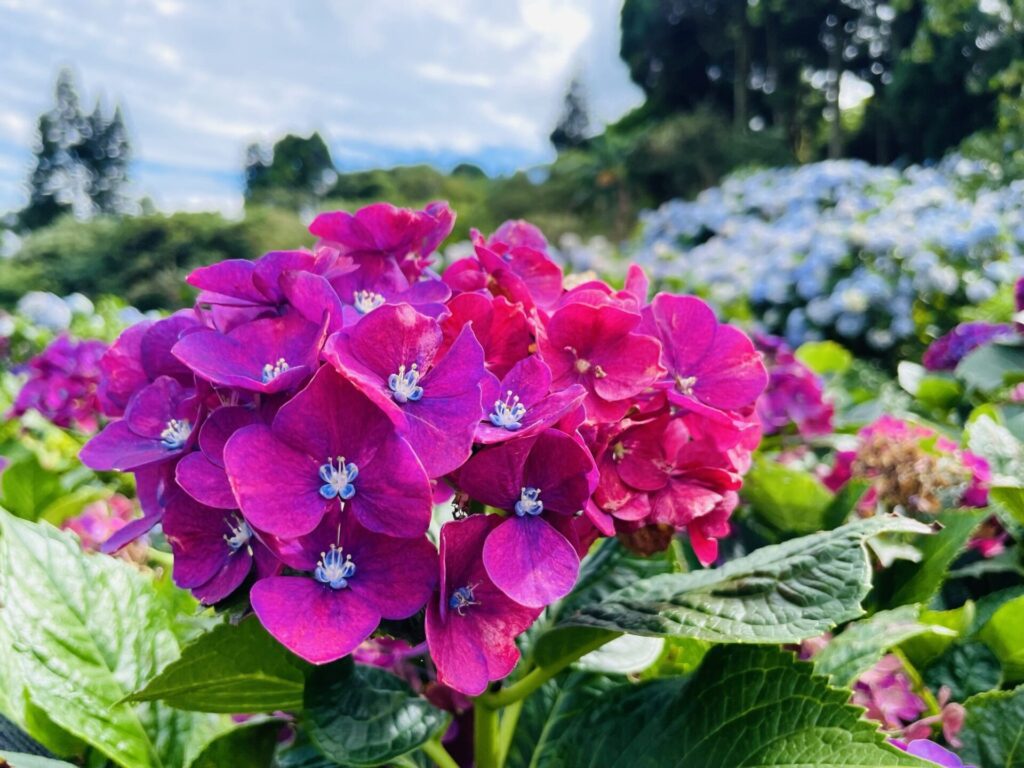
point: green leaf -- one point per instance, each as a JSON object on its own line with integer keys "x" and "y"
{"x": 966, "y": 668}
{"x": 993, "y": 732}
{"x": 844, "y": 502}
{"x": 906, "y": 582}
{"x": 1004, "y": 634}
{"x": 992, "y": 366}
{"x": 250, "y": 745}
{"x": 364, "y": 716}
{"x": 790, "y": 500}
{"x": 27, "y": 488}
{"x": 233, "y": 669}
{"x": 19, "y": 760}
{"x": 922, "y": 650}
{"x": 824, "y": 357}
{"x": 932, "y": 390}
{"x": 781, "y": 594}
{"x": 560, "y": 645}
{"x": 745, "y": 707}
{"x": 1011, "y": 499}
{"x": 72, "y": 503}
{"x": 79, "y": 632}
{"x": 863, "y": 643}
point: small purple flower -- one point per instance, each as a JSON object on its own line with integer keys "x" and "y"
{"x": 932, "y": 752}
{"x": 62, "y": 383}
{"x": 521, "y": 405}
{"x": 392, "y": 355}
{"x": 201, "y": 473}
{"x": 352, "y": 579}
{"x": 471, "y": 624}
{"x": 268, "y": 355}
{"x": 328, "y": 446}
{"x": 214, "y": 549}
{"x": 794, "y": 395}
{"x": 541, "y": 481}
{"x": 887, "y": 694}
{"x": 946, "y": 352}
{"x": 158, "y": 426}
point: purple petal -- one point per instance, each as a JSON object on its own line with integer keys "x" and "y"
{"x": 197, "y": 537}
{"x": 530, "y": 561}
{"x": 219, "y": 426}
{"x": 205, "y": 482}
{"x": 396, "y": 576}
{"x": 118, "y": 448}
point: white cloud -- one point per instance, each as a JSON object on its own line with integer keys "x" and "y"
{"x": 396, "y": 80}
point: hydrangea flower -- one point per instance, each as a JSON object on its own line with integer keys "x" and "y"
{"x": 471, "y": 624}
{"x": 794, "y": 394}
{"x": 946, "y": 352}
{"x": 887, "y": 694}
{"x": 62, "y": 384}
{"x": 329, "y": 446}
{"x": 351, "y": 579}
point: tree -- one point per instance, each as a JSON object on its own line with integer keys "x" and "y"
{"x": 295, "y": 173}
{"x": 574, "y": 124}
{"x": 81, "y": 162}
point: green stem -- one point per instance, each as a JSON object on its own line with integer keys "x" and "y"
{"x": 918, "y": 683}
{"x": 507, "y": 728}
{"x": 165, "y": 559}
{"x": 536, "y": 678}
{"x": 485, "y": 737}
{"x": 435, "y": 750}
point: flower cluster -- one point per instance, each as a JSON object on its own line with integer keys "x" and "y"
{"x": 62, "y": 383}
{"x": 912, "y": 469}
{"x": 293, "y": 432}
{"x": 842, "y": 249}
{"x": 795, "y": 395}
{"x": 946, "y": 352}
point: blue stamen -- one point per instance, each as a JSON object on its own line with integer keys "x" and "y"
{"x": 366, "y": 301}
{"x": 271, "y": 372}
{"x": 334, "y": 569}
{"x": 508, "y": 413}
{"x": 241, "y": 533}
{"x": 462, "y": 598}
{"x": 404, "y": 385}
{"x": 338, "y": 479}
{"x": 529, "y": 502}
{"x": 176, "y": 434}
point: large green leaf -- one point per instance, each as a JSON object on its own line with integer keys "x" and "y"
{"x": 19, "y": 760}
{"x": 992, "y": 366}
{"x": 1004, "y": 634}
{"x": 791, "y": 500}
{"x": 907, "y": 582}
{"x": 27, "y": 488}
{"x": 863, "y": 643}
{"x": 77, "y": 633}
{"x": 233, "y": 669}
{"x": 993, "y": 732}
{"x": 364, "y": 716}
{"x": 745, "y": 707}
{"x": 966, "y": 668}
{"x": 782, "y": 593}
{"x": 251, "y": 745}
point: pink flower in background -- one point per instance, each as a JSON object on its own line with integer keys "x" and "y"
{"x": 63, "y": 383}
{"x": 887, "y": 694}
{"x": 946, "y": 352}
{"x": 794, "y": 395}
{"x": 99, "y": 520}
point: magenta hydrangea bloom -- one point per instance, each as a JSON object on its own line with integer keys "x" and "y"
{"x": 795, "y": 395}
{"x": 394, "y": 356}
{"x": 520, "y": 272}
{"x": 713, "y": 368}
{"x": 214, "y": 549}
{"x": 887, "y": 694}
{"x": 353, "y": 578}
{"x": 471, "y": 625}
{"x": 201, "y": 473}
{"x": 541, "y": 482}
{"x": 521, "y": 403}
{"x": 158, "y": 426}
{"x": 595, "y": 346}
{"x": 267, "y": 355}
{"x": 62, "y": 384}
{"x": 328, "y": 446}
{"x": 932, "y": 752}
{"x": 501, "y": 327}
{"x": 946, "y": 352}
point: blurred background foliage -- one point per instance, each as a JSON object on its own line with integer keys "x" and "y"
{"x": 729, "y": 84}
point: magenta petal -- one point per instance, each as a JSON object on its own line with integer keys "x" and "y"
{"x": 687, "y": 326}
{"x": 277, "y": 487}
{"x": 494, "y": 475}
{"x": 219, "y": 426}
{"x": 393, "y": 494}
{"x": 310, "y": 619}
{"x": 227, "y": 579}
{"x": 459, "y": 655}
{"x": 530, "y": 379}
{"x": 530, "y": 561}
{"x": 232, "y": 278}
{"x": 734, "y": 375}
{"x": 396, "y": 576}
{"x": 118, "y": 448}
{"x": 205, "y": 482}
{"x": 395, "y": 335}
{"x": 197, "y": 537}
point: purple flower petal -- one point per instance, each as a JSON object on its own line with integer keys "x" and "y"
{"x": 530, "y": 561}
{"x": 205, "y": 482}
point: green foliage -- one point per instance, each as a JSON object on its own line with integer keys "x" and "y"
{"x": 1003, "y": 634}
{"x": 782, "y": 593}
{"x": 966, "y": 668}
{"x": 364, "y": 716}
{"x": 718, "y": 718}
{"x": 236, "y": 668}
{"x": 788, "y": 499}
{"x": 993, "y": 732}
{"x": 824, "y": 357}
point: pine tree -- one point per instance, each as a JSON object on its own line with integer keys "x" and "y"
{"x": 574, "y": 124}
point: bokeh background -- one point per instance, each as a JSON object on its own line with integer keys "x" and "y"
{"x": 829, "y": 169}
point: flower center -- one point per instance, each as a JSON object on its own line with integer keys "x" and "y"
{"x": 685, "y": 384}
{"x": 462, "y": 598}
{"x": 338, "y": 479}
{"x": 241, "y": 533}
{"x": 529, "y": 502}
{"x": 404, "y": 385}
{"x": 508, "y": 413}
{"x": 271, "y": 372}
{"x": 176, "y": 434}
{"x": 366, "y": 301}
{"x": 334, "y": 569}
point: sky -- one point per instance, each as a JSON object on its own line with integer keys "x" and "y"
{"x": 386, "y": 82}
